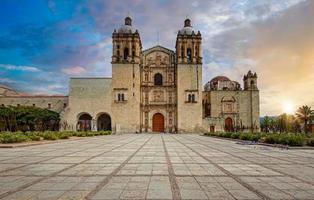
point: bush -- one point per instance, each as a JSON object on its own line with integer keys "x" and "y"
{"x": 13, "y": 138}
{"x": 310, "y": 142}
{"x": 255, "y": 137}
{"x": 50, "y": 136}
{"x": 244, "y": 136}
{"x": 235, "y": 135}
{"x": 292, "y": 140}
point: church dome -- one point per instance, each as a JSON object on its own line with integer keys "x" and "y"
{"x": 219, "y": 78}
{"x": 127, "y": 27}
{"x": 187, "y": 29}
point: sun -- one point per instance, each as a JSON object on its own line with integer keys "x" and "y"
{"x": 288, "y": 108}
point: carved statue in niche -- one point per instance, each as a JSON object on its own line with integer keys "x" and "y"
{"x": 165, "y": 60}
{"x": 158, "y": 60}
{"x": 158, "y": 95}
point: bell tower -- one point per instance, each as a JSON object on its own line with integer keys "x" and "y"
{"x": 189, "y": 78}
{"x": 126, "y": 44}
{"x": 126, "y": 54}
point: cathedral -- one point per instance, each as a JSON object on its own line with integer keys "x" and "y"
{"x": 152, "y": 90}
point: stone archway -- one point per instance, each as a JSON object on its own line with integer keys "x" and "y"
{"x": 84, "y": 122}
{"x": 104, "y": 122}
{"x": 228, "y": 125}
{"x": 158, "y": 123}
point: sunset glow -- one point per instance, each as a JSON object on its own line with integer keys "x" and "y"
{"x": 43, "y": 43}
{"x": 288, "y": 107}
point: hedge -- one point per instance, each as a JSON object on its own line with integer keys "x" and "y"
{"x": 290, "y": 139}
{"x": 18, "y": 137}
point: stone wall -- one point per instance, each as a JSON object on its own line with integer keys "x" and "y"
{"x": 54, "y": 103}
{"x": 189, "y": 81}
{"x": 126, "y": 80}
{"x": 245, "y": 113}
{"x": 87, "y": 96}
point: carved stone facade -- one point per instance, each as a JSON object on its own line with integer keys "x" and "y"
{"x": 158, "y": 88}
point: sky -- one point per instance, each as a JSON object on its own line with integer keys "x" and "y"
{"x": 44, "y": 42}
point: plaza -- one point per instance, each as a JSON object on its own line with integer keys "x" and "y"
{"x": 155, "y": 166}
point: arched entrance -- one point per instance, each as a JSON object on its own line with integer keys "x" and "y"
{"x": 158, "y": 123}
{"x": 104, "y": 122}
{"x": 84, "y": 122}
{"x": 228, "y": 125}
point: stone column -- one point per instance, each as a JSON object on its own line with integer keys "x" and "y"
{"x": 94, "y": 125}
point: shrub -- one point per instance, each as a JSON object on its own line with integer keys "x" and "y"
{"x": 292, "y": 140}
{"x": 226, "y": 135}
{"x": 271, "y": 139}
{"x": 310, "y": 141}
{"x": 254, "y": 137}
{"x": 64, "y": 136}
{"x": 235, "y": 135}
{"x": 13, "y": 138}
{"x": 50, "y": 136}
{"x": 244, "y": 136}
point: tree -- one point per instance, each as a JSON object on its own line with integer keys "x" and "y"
{"x": 25, "y": 118}
{"x": 304, "y": 114}
{"x": 266, "y": 124}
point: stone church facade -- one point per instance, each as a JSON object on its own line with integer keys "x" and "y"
{"x": 154, "y": 90}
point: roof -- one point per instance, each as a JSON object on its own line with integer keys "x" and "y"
{"x": 220, "y": 78}
{"x": 158, "y": 47}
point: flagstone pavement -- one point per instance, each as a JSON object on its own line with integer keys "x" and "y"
{"x": 155, "y": 166}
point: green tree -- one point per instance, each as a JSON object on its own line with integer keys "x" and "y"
{"x": 304, "y": 114}
{"x": 26, "y": 118}
{"x": 266, "y": 124}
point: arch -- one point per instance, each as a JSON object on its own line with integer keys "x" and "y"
{"x": 84, "y": 122}
{"x": 228, "y": 125}
{"x": 189, "y": 54}
{"x": 158, "y": 122}
{"x": 125, "y": 53}
{"x": 158, "y": 79}
{"x": 103, "y": 122}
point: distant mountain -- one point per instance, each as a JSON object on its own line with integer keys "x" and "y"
{"x": 261, "y": 119}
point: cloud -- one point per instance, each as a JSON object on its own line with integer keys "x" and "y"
{"x": 19, "y": 68}
{"x": 76, "y": 70}
{"x": 273, "y": 38}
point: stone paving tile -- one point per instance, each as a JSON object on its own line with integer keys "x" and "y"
{"x": 136, "y": 166}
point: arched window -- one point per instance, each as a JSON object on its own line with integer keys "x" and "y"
{"x": 158, "y": 79}
{"x": 189, "y": 54}
{"x": 252, "y": 82}
{"x": 182, "y": 53}
{"x": 125, "y": 53}
{"x": 193, "y": 98}
{"x": 189, "y": 98}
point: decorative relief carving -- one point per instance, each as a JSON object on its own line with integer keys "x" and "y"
{"x": 158, "y": 95}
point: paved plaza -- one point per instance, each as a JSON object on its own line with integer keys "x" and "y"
{"x": 155, "y": 166}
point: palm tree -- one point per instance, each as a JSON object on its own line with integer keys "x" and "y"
{"x": 266, "y": 123}
{"x": 304, "y": 114}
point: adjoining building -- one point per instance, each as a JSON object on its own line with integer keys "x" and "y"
{"x": 154, "y": 90}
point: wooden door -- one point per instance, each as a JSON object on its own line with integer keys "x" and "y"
{"x": 158, "y": 123}
{"x": 228, "y": 125}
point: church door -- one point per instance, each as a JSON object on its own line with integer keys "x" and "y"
{"x": 228, "y": 125}
{"x": 158, "y": 123}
